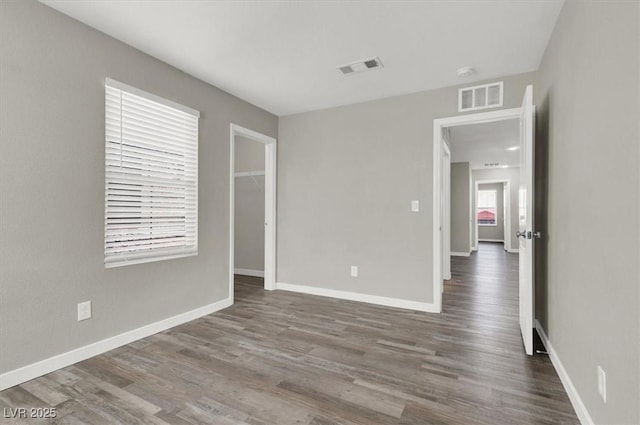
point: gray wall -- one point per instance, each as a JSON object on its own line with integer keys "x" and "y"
{"x": 346, "y": 177}
{"x": 587, "y": 95}
{"x": 249, "y": 206}
{"x": 461, "y": 207}
{"x": 513, "y": 176}
{"x": 52, "y": 71}
{"x": 495, "y": 233}
{"x": 249, "y": 155}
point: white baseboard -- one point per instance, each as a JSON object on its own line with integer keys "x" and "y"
{"x": 34, "y": 370}
{"x": 249, "y": 272}
{"x": 491, "y": 240}
{"x": 576, "y": 401}
{"x": 354, "y": 296}
{"x": 513, "y": 251}
{"x": 460, "y": 254}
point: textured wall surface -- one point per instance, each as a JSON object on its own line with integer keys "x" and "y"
{"x": 587, "y": 94}
{"x": 249, "y": 206}
{"x": 461, "y": 207}
{"x": 346, "y": 178}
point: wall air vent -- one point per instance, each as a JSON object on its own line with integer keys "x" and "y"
{"x": 360, "y": 66}
{"x": 491, "y": 164}
{"x": 480, "y": 97}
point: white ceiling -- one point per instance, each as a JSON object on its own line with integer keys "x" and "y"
{"x": 282, "y": 55}
{"x": 486, "y": 143}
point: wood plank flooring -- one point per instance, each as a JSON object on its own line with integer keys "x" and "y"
{"x": 278, "y": 358}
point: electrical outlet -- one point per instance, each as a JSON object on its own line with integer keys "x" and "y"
{"x": 354, "y": 271}
{"x": 415, "y": 205}
{"x": 84, "y": 310}
{"x": 602, "y": 384}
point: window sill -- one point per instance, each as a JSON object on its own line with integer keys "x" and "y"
{"x": 130, "y": 261}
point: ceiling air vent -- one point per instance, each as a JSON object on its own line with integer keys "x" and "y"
{"x": 480, "y": 97}
{"x": 360, "y": 66}
{"x": 346, "y": 69}
{"x": 372, "y": 63}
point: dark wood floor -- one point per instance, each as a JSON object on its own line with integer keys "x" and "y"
{"x": 282, "y": 358}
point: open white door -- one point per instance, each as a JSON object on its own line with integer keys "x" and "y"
{"x": 526, "y": 233}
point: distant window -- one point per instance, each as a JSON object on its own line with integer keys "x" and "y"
{"x": 487, "y": 208}
{"x": 151, "y": 177}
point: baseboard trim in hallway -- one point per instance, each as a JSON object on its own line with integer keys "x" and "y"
{"x": 354, "y": 296}
{"x": 249, "y": 272}
{"x": 576, "y": 400}
{"x": 42, "y": 367}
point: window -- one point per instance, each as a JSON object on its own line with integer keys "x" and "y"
{"x": 151, "y": 177}
{"x": 487, "y": 208}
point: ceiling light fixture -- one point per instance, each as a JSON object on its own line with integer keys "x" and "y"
{"x": 513, "y": 148}
{"x": 466, "y": 71}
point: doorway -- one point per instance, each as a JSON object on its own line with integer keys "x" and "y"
{"x": 523, "y": 117}
{"x": 258, "y": 175}
{"x": 492, "y": 212}
{"x": 444, "y": 133}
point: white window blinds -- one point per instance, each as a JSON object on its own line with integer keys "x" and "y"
{"x": 151, "y": 177}
{"x": 487, "y": 208}
{"x": 486, "y": 199}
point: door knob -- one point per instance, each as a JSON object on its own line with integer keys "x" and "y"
{"x": 529, "y": 235}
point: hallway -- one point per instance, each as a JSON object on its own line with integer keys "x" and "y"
{"x": 485, "y": 284}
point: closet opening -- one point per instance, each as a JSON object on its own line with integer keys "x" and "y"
{"x": 252, "y": 209}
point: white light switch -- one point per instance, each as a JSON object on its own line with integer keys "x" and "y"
{"x": 84, "y": 310}
{"x": 354, "y": 271}
{"x": 415, "y": 205}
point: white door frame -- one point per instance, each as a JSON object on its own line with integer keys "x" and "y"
{"x": 269, "y": 204}
{"x": 438, "y": 125}
{"x": 446, "y": 213}
{"x": 506, "y": 210}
